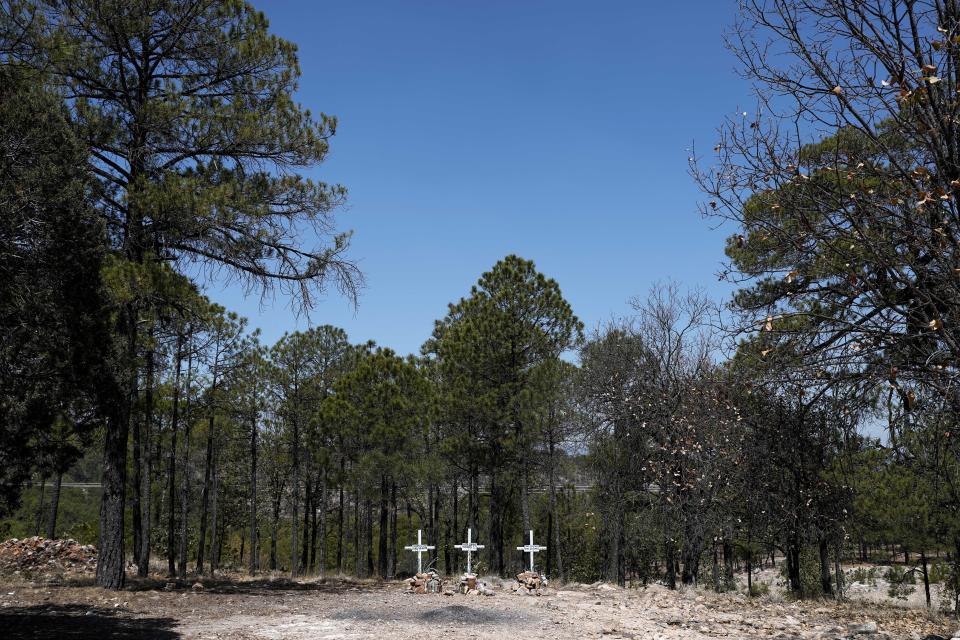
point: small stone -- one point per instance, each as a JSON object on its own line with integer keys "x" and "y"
{"x": 197, "y": 587}
{"x": 866, "y": 627}
{"x": 610, "y": 628}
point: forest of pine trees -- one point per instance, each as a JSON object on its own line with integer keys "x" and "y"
{"x": 151, "y": 147}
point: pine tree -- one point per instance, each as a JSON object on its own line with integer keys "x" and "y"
{"x": 187, "y": 109}
{"x": 487, "y": 348}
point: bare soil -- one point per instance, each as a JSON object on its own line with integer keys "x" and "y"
{"x": 339, "y": 608}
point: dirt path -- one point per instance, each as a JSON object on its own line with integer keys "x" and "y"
{"x": 265, "y": 609}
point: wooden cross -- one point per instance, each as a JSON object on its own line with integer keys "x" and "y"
{"x": 469, "y": 546}
{"x": 531, "y": 549}
{"x": 419, "y": 548}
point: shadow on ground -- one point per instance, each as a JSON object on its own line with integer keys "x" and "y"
{"x": 449, "y": 614}
{"x": 252, "y": 586}
{"x": 76, "y": 622}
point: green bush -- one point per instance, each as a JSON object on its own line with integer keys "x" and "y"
{"x": 810, "y": 586}
{"x": 938, "y": 572}
{"x": 863, "y": 576}
{"x": 758, "y": 589}
{"x": 901, "y": 582}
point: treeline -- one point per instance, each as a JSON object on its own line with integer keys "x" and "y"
{"x": 809, "y": 421}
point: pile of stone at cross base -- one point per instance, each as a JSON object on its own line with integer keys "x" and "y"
{"x": 425, "y": 582}
{"x": 530, "y": 583}
{"x": 470, "y": 586}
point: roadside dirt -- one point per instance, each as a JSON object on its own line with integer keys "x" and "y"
{"x": 343, "y": 609}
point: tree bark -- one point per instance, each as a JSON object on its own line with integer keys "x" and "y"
{"x": 555, "y": 513}
{"x": 185, "y": 470}
{"x": 497, "y": 564}
{"x": 295, "y": 500}
{"x": 368, "y": 531}
{"x": 38, "y": 520}
{"x": 340, "y": 521}
{"x": 136, "y": 512}
{"x": 214, "y": 520}
{"x": 313, "y": 527}
{"x": 205, "y": 493}
{"x": 253, "y": 563}
{"x": 305, "y": 536}
{"x": 54, "y": 504}
{"x": 172, "y": 460}
{"x": 110, "y": 556}
{"x": 382, "y": 561}
{"x": 793, "y": 563}
{"x": 358, "y": 559}
{"x": 146, "y": 491}
{"x": 274, "y": 532}
{"x": 393, "y": 530}
{"x": 322, "y": 555}
{"x": 826, "y": 580}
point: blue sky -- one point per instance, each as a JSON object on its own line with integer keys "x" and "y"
{"x": 555, "y": 130}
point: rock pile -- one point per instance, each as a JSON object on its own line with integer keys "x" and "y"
{"x": 426, "y": 582}
{"x": 41, "y": 557}
{"x": 530, "y": 583}
{"x": 470, "y": 586}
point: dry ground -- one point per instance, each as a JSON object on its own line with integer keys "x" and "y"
{"x": 328, "y": 609}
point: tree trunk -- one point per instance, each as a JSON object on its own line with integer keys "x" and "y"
{"x": 146, "y": 490}
{"x": 54, "y": 504}
{"x": 555, "y": 516}
{"x": 205, "y": 494}
{"x": 431, "y": 533}
{"x": 382, "y": 562}
{"x": 671, "y": 559}
{"x": 393, "y": 530}
{"x": 826, "y": 581}
{"x": 305, "y": 536}
{"x": 340, "y": 522}
{"x": 313, "y": 529}
{"x": 926, "y": 575}
{"x": 793, "y": 563}
{"x": 358, "y": 556}
{"x": 136, "y": 511}
{"x": 110, "y": 556}
{"x": 525, "y": 499}
{"x": 214, "y": 521}
{"x": 172, "y": 460}
{"x": 295, "y": 501}
{"x": 274, "y": 532}
{"x": 837, "y": 568}
{"x": 185, "y": 470}
{"x": 37, "y": 522}
{"x": 322, "y": 555}
{"x": 728, "y": 582}
{"x": 497, "y": 564}
{"x": 368, "y": 530}
{"x": 253, "y": 563}
{"x": 472, "y": 500}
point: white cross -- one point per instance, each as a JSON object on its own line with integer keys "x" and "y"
{"x": 469, "y": 546}
{"x": 419, "y": 548}
{"x": 531, "y": 549}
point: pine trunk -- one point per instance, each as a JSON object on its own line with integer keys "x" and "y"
{"x": 205, "y": 494}
{"x": 185, "y": 467}
{"x": 54, "y": 504}
{"x": 382, "y": 533}
{"x": 143, "y": 558}
{"x": 253, "y": 563}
